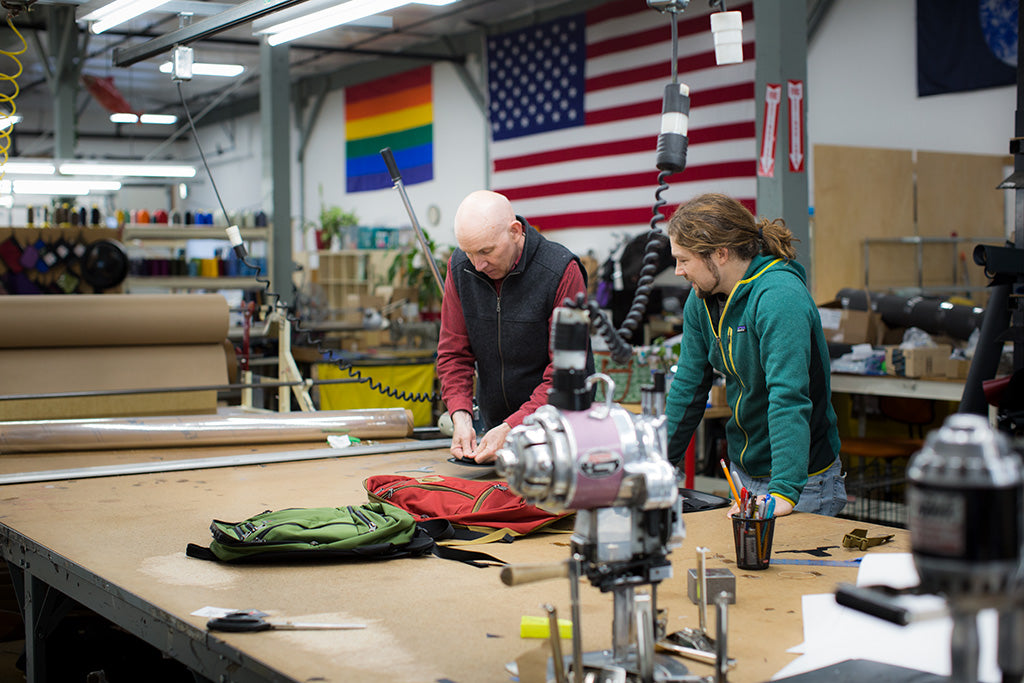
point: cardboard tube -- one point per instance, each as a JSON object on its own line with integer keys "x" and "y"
{"x": 83, "y": 320}
{"x": 37, "y": 436}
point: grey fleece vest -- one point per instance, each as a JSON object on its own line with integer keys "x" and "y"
{"x": 509, "y": 334}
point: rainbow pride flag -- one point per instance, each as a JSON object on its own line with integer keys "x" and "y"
{"x": 395, "y": 112}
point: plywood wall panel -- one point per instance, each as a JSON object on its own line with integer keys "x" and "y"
{"x": 859, "y": 192}
{"x": 957, "y": 195}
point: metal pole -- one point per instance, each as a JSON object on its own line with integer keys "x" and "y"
{"x": 396, "y": 177}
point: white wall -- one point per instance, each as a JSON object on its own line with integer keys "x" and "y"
{"x": 862, "y": 91}
{"x": 233, "y": 152}
{"x": 459, "y": 162}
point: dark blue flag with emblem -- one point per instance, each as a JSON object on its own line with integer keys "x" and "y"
{"x": 965, "y": 45}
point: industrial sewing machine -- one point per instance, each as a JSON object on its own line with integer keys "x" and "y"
{"x": 609, "y": 465}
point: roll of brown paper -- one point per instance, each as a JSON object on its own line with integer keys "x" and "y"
{"x": 52, "y": 344}
{"x": 56, "y": 320}
{"x": 37, "y": 436}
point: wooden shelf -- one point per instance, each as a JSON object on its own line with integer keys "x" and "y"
{"x": 141, "y": 235}
{"x": 186, "y": 282}
{"x": 152, "y": 231}
{"x": 351, "y": 272}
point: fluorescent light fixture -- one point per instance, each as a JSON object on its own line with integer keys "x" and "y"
{"x": 9, "y": 120}
{"x": 159, "y": 119}
{"x": 162, "y": 119}
{"x": 379, "y": 21}
{"x": 345, "y": 13}
{"x": 208, "y": 69}
{"x": 28, "y": 167}
{"x": 64, "y": 187}
{"x": 118, "y": 12}
{"x": 146, "y": 170}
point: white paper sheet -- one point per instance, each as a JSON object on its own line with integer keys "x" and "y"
{"x": 833, "y": 633}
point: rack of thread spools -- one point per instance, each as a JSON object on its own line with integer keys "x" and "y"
{"x": 193, "y": 255}
{"x": 66, "y": 215}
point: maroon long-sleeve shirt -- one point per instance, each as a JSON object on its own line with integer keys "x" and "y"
{"x": 455, "y": 359}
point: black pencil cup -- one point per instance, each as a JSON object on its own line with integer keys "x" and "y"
{"x": 753, "y": 539}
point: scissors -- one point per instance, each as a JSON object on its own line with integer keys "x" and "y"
{"x": 241, "y": 622}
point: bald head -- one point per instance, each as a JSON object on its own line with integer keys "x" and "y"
{"x": 482, "y": 211}
{"x": 487, "y": 230}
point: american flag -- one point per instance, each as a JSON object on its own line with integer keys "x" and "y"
{"x": 575, "y": 111}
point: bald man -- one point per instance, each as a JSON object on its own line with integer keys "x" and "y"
{"x": 504, "y": 282}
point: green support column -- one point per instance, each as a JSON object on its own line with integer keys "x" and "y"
{"x": 63, "y": 68}
{"x": 781, "y": 58}
{"x": 275, "y": 111}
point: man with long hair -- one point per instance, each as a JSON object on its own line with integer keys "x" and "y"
{"x": 751, "y": 318}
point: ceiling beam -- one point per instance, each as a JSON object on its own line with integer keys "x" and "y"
{"x": 210, "y": 26}
{"x": 451, "y": 48}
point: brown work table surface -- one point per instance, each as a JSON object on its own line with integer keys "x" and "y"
{"x": 117, "y": 544}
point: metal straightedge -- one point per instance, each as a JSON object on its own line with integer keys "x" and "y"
{"x": 219, "y": 461}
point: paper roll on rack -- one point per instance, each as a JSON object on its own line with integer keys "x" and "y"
{"x": 37, "y": 436}
{"x": 48, "y": 321}
{"x": 53, "y": 344}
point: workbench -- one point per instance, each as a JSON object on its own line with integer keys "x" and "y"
{"x": 116, "y": 544}
{"x": 901, "y": 387}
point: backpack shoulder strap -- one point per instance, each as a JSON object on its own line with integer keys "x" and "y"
{"x": 200, "y": 552}
{"x": 441, "y": 530}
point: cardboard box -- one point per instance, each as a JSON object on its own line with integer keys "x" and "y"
{"x": 928, "y": 361}
{"x": 847, "y": 326}
{"x": 957, "y": 368}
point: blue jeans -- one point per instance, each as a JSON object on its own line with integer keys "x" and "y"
{"x": 823, "y": 494}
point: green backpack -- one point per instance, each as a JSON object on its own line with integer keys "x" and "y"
{"x": 372, "y": 531}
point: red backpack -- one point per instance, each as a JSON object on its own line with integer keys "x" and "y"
{"x": 478, "y": 505}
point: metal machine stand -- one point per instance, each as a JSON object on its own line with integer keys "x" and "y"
{"x": 288, "y": 376}
{"x": 1004, "y": 314}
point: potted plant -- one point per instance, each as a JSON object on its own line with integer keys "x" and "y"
{"x": 411, "y": 268}
{"x": 334, "y": 222}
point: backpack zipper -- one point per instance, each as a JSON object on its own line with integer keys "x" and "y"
{"x": 388, "y": 492}
{"x": 483, "y": 496}
{"x": 355, "y": 512}
{"x": 260, "y": 538}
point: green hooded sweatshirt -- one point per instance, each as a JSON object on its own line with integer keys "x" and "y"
{"x": 770, "y": 346}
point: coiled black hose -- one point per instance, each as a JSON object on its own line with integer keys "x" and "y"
{"x": 618, "y": 340}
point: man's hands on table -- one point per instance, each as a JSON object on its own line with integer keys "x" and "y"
{"x": 464, "y": 442}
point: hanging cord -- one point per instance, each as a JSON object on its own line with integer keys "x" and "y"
{"x": 7, "y": 100}
{"x": 671, "y": 159}
{"x": 274, "y": 298}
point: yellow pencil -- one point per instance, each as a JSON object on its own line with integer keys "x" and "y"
{"x": 728, "y": 478}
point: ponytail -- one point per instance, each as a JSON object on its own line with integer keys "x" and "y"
{"x": 776, "y": 239}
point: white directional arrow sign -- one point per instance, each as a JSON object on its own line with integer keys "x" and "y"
{"x": 770, "y": 130}
{"x": 795, "y": 92}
